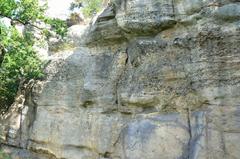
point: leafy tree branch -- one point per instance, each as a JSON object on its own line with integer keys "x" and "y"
{"x": 18, "y": 58}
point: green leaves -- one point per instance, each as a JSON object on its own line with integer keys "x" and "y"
{"x": 89, "y": 7}
{"x": 92, "y": 7}
{"x": 23, "y": 11}
{"x": 29, "y": 12}
{"x": 20, "y": 62}
{"x": 58, "y": 26}
{"x": 18, "y": 59}
{"x": 8, "y": 8}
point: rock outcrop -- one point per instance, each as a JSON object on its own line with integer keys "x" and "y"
{"x": 150, "y": 79}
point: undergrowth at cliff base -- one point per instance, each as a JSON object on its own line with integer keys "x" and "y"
{"x": 3, "y": 155}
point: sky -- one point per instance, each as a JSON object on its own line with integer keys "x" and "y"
{"x": 59, "y": 8}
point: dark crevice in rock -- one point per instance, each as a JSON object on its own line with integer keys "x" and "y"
{"x": 125, "y": 5}
{"x": 116, "y": 101}
{"x": 109, "y": 111}
{"x": 23, "y": 153}
{"x": 106, "y": 155}
{"x": 119, "y": 79}
{"x": 207, "y": 135}
{"x": 173, "y": 8}
{"x": 223, "y": 146}
{"x": 86, "y": 104}
{"x": 12, "y": 146}
{"x": 21, "y": 127}
{"x": 80, "y": 147}
{"x": 37, "y": 142}
{"x": 118, "y": 139}
{"x": 46, "y": 152}
{"x": 190, "y": 132}
{"x": 30, "y": 116}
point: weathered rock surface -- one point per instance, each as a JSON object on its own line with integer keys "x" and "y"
{"x": 150, "y": 79}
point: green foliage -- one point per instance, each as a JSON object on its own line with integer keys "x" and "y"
{"x": 89, "y": 7}
{"x": 29, "y": 12}
{"x": 18, "y": 59}
{"x": 20, "y": 62}
{"x": 58, "y": 26}
{"x": 76, "y": 4}
{"x": 92, "y": 7}
{"x": 23, "y": 11}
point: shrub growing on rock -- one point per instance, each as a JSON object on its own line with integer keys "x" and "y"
{"x": 89, "y": 7}
{"x": 18, "y": 59}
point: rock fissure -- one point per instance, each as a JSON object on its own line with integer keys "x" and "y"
{"x": 190, "y": 132}
{"x": 119, "y": 78}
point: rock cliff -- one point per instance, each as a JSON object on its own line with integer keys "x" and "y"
{"x": 150, "y": 79}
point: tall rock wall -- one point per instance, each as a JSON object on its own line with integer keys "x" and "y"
{"x": 150, "y": 79}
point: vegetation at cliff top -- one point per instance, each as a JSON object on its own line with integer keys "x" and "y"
{"x": 89, "y": 7}
{"x": 18, "y": 58}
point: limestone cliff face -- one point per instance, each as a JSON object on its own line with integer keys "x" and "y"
{"x": 151, "y": 79}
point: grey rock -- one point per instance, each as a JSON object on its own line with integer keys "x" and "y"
{"x": 147, "y": 80}
{"x": 215, "y": 133}
{"x": 145, "y": 17}
{"x": 229, "y": 12}
{"x": 154, "y": 136}
{"x": 104, "y": 29}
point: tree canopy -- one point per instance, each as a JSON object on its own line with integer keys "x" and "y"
{"x": 18, "y": 58}
{"x": 89, "y": 7}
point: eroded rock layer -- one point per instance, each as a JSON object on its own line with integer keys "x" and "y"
{"x": 151, "y": 79}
